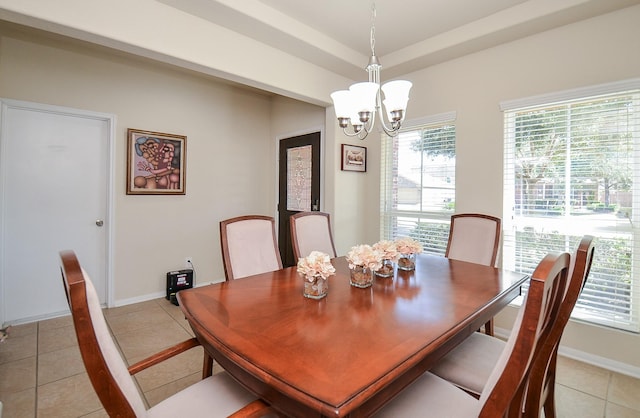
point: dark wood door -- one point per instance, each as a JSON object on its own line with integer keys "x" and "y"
{"x": 299, "y": 185}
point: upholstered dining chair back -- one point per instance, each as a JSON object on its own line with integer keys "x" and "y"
{"x": 474, "y": 237}
{"x": 506, "y": 385}
{"x": 249, "y": 246}
{"x": 540, "y": 392}
{"x": 311, "y": 231}
{"x": 218, "y": 395}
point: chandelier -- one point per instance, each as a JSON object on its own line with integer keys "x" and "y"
{"x": 358, "y": 105}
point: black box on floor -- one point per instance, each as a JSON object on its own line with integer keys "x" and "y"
{"x": 176, "y": 281}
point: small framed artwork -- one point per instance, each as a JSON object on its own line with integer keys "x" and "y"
{"x": 354, "y": 158}
{"x": 156, "y": 162}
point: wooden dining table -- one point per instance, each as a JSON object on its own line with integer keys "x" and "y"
{"x": 351, "y": 352}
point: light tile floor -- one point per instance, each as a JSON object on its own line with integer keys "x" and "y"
{"x": 42, "y": 375}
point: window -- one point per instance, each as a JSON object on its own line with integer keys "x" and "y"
{"x": 418, "y": 183}
{"x": 572, "y": 167}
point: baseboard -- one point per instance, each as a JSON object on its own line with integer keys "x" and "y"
{"x": 147, "y": 297}
{"x": 592, "y": 359}
{"x": 138, "y": 299}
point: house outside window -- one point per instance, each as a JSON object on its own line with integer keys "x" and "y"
{"x": 418, "y": 183}
{"x": 572, "y": 168}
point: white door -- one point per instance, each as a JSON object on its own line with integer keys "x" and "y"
{"x": 55, "y": 172}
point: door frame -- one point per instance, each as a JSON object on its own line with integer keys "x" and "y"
{"x": 276, "y": 190}
{"x": 110, "y": 119}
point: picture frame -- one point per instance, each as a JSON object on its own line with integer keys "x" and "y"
{"x": 354, "y": 158}
{"x": 156, "y": 163}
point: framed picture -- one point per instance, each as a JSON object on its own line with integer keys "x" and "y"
{"x": 354, "y": 158}
{"x": 156, "y": 162}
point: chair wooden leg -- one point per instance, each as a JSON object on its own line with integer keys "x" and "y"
{"x": 207, "y": 366}
{"x": 488, "y": 327}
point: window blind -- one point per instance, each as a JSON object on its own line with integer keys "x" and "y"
{"x": 418, "y": 184}
{"x": 571, "y": 168}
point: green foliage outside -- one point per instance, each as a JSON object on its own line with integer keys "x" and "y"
{"x": 610, "y": 274}
{"x": 433, "y": 236}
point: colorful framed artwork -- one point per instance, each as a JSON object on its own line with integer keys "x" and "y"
{"x": 156, "y": 163}
{"x": 354, "y": 158}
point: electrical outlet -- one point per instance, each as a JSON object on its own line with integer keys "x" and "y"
{"x": 188, "y": 262}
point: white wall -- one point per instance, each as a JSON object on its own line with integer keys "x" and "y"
{"x": 600, "y": 50}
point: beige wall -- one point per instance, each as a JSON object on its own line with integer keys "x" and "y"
{"x": 230, "y": 149}
{"x": 155, "y": 97}
{"x": 600, "y": 50}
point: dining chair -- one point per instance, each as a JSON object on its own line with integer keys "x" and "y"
{"x": 540, "y": 392}
{"x": 311, "y": 231}
{"x": 217, "y": 395}
{"x": 474, "y": 237}
{"x": 503, "y": 392}
{"x": 469, "y": 364}
{"x": 249, "y": 246}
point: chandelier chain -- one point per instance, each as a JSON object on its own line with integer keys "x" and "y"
{"x": 373, "y": 28}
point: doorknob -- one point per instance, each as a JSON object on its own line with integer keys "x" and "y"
{"x": 99, "y": 222}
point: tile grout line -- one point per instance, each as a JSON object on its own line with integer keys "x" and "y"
{"x": 117, "y": 343}
{"x": 35, "y": 401}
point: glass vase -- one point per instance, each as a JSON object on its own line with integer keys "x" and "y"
{"x": 316, "y": 288}
{"x": 361, "y": 277}
{"x": 407, "y": 262}
{"x": 386, "y": 270}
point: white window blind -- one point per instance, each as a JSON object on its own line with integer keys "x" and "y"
{"x": 418, "y": 183}
{"x": 572, "y": 167}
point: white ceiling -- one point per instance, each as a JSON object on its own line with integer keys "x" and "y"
{"x": 410, "y": 34}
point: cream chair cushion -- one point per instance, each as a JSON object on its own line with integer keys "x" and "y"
{"x": 251, "y": 247}
{"x": 464, "y": 366}
{"x": 431, "y": 396}
{"x": 312, "y": 234}
{"x": 473, "y": 240}
{"x": 218, "y": 395}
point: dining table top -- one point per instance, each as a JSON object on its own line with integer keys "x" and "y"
{"x": 352, "y": 351}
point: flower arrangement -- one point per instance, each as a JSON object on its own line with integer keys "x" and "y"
{"x": 389, "y": 254}
{"x": 408, "y": 246}
{"x": 364, "y": 256}
{"x": 387, "y": 249}
{"x": 316, "y": 264}
{"x": 315, "y": 269}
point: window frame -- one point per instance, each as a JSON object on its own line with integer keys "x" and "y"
{"x": 569, "y": 98}
{"x": 387, "y": 183}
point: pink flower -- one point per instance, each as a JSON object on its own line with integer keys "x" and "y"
{"x": 365, "y": 256}
{"x": 387, "y": 249}
{"x": 316, "y": 264}
{"x": 408, "y": 246}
